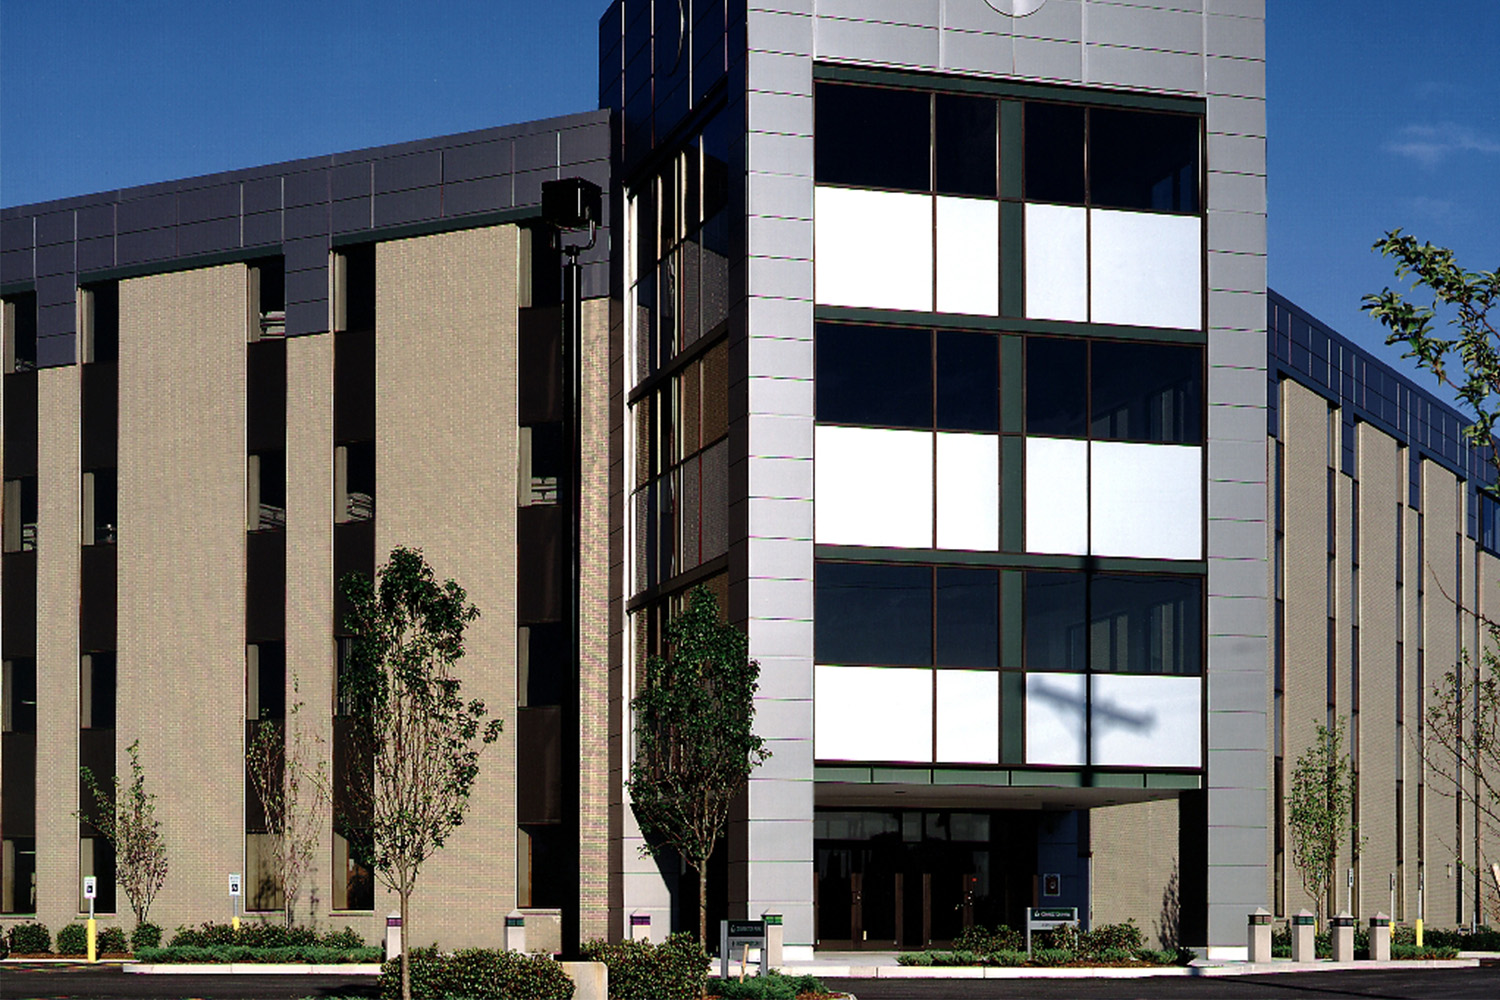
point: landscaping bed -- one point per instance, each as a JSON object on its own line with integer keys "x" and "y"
{"x": 1118, "y": 946}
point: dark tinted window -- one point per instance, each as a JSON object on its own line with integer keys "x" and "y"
{"x": 1054, "y": 621}
{"x": 879, "y": 376}
{"x": 1147, "y": 392}
{"x": 1139, "y": 159}
{"x": 968, "y": 382}
{"x": 967, "y": 141}
{"x": 873, "y": 614}
{"x": 1054, "y": 153}
{"x": 872, "y": 137}
{"x": 968, "y": 602}
{"x": 1147, "y": 624}
{"x": 1056, "y": 386}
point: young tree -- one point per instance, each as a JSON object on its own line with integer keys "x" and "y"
{"x": 695, "y": 745}
{"x": 290, "y": 776}
{"x": 1462, "y": 749}
{"x": 1463, "y": 299}
{"x": 418, "y": 742}
{"x": 1318, "y": 812}
{"x": 128, "y": 821}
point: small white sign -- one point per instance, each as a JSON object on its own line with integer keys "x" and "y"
{"x": 234, "y": 884}
{"x": 90, "y": 887}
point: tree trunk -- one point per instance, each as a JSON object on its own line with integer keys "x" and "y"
{"x": 405, "y": 955}
{"x": 702, "y": 906}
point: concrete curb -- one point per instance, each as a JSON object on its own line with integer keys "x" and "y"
{"x": 1196, "y": 971}
{"x": 254, "y": 969}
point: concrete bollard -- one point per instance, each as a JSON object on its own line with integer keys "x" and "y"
{"x": 1343, "y": 937}
{"x": 515, "y": 931}
{"x": 772, "y": 959}
{"x": 590, "y": 979}
{"x": 1380, "y": 938}
{"x": 1258, "y": 935}
{"x": 1304, "y": 943}
{"x": 392, "y": 936}
{"x": 640, "y": 927}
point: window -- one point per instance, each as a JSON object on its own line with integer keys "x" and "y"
{"x": 1129, "y": 390}
{"x": 100, "y": 343}
{"x": 265, "y": 491}
{"x": 1146, "y": 624}
{"x": 1054, "y": 153}
{"x": 1143, "y": 160}
{"x": 542, "y": 460}
{"x": 20, "y": 513}
{"x": 1055, "y": 612}
{"x": 967, "y": 141}
{"x": 967, "y": 603}
{"x": 1138, "y": 624}
{"x": 18, "y": 696}
{"x": 874, "y": 376}
{"x": 869, "y": 614}
{"x": 967, "y": 382}
{"x": 265, "y": 681}
{"x": 872, "y": 137}
{"x": 19, "y": 333}
{"x": 267, "y": 299}
{"x": 354, "y": 288}
{"x": 354, "y": 482}
{"x": 100, "y": 507}
{"x": 96, "y": 701}
{"x": 1056, "y": 386}
{"x": 1146, "y": 392}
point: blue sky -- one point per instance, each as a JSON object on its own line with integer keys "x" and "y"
{"x": 1382, "y": 113}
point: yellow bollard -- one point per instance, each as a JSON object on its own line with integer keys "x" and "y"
{"x": 235, "y": 923}
{"x": 1419, "y": 932}
{"x": 93, "y": 953}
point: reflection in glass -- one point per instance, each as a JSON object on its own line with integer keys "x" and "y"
{"x": 1146, "y": 624}
{"x": 1056, "y": 386}
{"x": 1147, "y": 392}
{"x": 873, "y": 614}
{"x": 1054, "y": 621}
{"x": 968, "y": 382}
{"x": 968, "y": 608}
{"x": 1143, "y": 159}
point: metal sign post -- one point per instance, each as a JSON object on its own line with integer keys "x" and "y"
{"x": 234, "y": 900}
{"x": 1046, "y": 918}
{"x": 90, "y": 891}
{"x": 739, "y": 936}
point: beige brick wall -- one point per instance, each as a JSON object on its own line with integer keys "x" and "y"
{"x": 57, "y": 580}
{"x": 445, "y": 450}
{"x": 1449, "y": 832}
{"x": 1379, "y": 740}
{"x": 1305, "y": 429}
{"x": 181, "y": 571}
{"x": 309, "y": 571}
{"x": 1136, "y": 868}
{"x": 593, "y": 680}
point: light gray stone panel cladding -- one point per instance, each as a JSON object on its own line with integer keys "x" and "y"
{"x": 1207, "y": 48}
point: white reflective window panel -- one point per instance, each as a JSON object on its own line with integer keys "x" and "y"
{"x": 968, "y": 717}
{"x": 1055, "y": 725}
{"x": 872, "y": 249}
{"x": 1146, "y": 500}
{"x": 872, "y": 713}
{"x": 1147, "y": 269}
{"x": 1147, "y": 721}
{"x": 1057, "y": 496}
{"x": 968, "y": 491}
{"x": 873, "y": 487}
{"x": 1057, "y": 274}
{"x": 968, "y": 256}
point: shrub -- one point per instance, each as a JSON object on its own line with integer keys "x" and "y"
{"x": 207, "y": 935}
{"x": 268, "y": 935}
{"x": 29, "y": 939}
{"x": 990, "y": 939}
{"x": 1407, "y": 952}
{"x": 346, "y": 938}
{"x": 676, "y": 969}
{"x": 145, "y": 936}
{"x": 1049, "y": 957}
{"x": 918, "y": 958}
{"x": 770, "y": 987}
{"x": 478, "y": 972}
{"x": 73, "y": 940}
{"x": 111, "y": 941}
{"x": 1009, "y": 957}
{"x": 1111, "y": 937}
{"x": 1065, "y": 938}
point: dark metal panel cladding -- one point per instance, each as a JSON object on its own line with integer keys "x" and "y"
{"x": 539, "y": 564}
{"x": 96, "y": 599}
{"x": 265, "y": 586}
{"x": 539, "y": 783}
